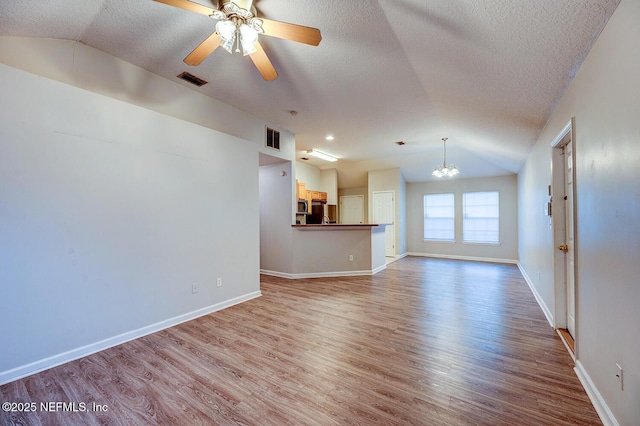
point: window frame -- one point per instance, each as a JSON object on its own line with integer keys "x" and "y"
{"x": 452, "y": 218}
{"x": 495, "y": 218}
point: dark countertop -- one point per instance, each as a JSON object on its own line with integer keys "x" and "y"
{"x": 340, "y": 225}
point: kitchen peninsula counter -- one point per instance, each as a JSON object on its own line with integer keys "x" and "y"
{"x": 334, "y": 226}
{"x": 351, "y": 249}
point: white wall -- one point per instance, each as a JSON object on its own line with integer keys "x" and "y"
{"x": 309, "y": 175}
{"x": 505, "y": 251}
{"x": 604, "y": 99}
{"x": 82, "y": 66}
{"x": 276, "y": 217}
{"x": 108, "y": 214}
{"x": 329, "y": 184}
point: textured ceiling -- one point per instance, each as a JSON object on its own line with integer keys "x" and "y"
{"x": 486, "y": 74}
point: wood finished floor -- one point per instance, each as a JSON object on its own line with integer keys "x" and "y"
{"x": 425, "y": 342}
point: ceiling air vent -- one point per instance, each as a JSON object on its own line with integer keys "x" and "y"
{"x": 192, "y": 79}
{"x": 273, "y": 139}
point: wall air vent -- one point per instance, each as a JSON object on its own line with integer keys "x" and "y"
{"x": 273, "y": 139}
{"x": 192, "y": 79}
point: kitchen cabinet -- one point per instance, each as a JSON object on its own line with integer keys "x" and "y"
{"x": 302, "y": 193}
{"x": 301, "y": 190}
{"x": 318, "y": 196}
{"x": 309, "y": 201}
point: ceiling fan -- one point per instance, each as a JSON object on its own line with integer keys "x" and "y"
{"x": 238, "y": 27}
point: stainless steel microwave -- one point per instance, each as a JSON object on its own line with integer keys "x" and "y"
{"x": 302, "y": 206}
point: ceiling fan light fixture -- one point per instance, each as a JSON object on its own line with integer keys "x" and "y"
{"x": 218, "y": 14}
{"x": 237, "y": 27}
{"x": 229, "y": 8}
{"x": 226, "y": 29}
{"x": 228, "y": 43}
{"x": 322, "y": 155}
{"x": 248, "y": 39}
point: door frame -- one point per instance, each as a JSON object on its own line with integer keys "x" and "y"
{"x": 558, "y": 224}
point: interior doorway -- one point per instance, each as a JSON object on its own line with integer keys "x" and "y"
{"x": 384, "y": 207}
{"x": 564, "y": 236}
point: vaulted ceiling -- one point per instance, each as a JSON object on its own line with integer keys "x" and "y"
{"x": 485, "y": 74}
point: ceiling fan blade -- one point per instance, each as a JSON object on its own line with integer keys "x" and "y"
{"x": 188, "y": 5}
{"x": 293, "y": 32}
{"x": 205, "y": 49}
{"x": 262, "y": 62}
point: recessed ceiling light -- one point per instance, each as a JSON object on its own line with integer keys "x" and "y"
{"x": 329, "y": 137}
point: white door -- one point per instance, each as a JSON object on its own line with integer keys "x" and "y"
{"x": 352, "y": 209}
{"x": 569, "y": 241}
{"x": 384, "y": 212}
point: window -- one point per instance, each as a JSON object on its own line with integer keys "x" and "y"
{"x": 481, "y": 217}
{"x": 439, "y": 217}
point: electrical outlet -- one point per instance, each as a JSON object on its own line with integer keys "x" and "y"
{"x": 219, "y": 282}
{"x": 620, "y": 377}
{"x": 194, "y": 288}
{"x": 350, "y": 258}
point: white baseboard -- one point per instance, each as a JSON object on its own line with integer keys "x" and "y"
{"x": 323, "y": 274}
{"x": 607, "y": 417}
{"x": 277, "y": 274}
{"x": 470, "y": 258}
{"x": 396, "y": 258}
{"x": 378, "y": 269}
{"x": 59, "y": 359}
{"x": 545, "y": 309}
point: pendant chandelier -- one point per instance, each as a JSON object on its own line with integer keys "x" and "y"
{"x": 447, "y": 170}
